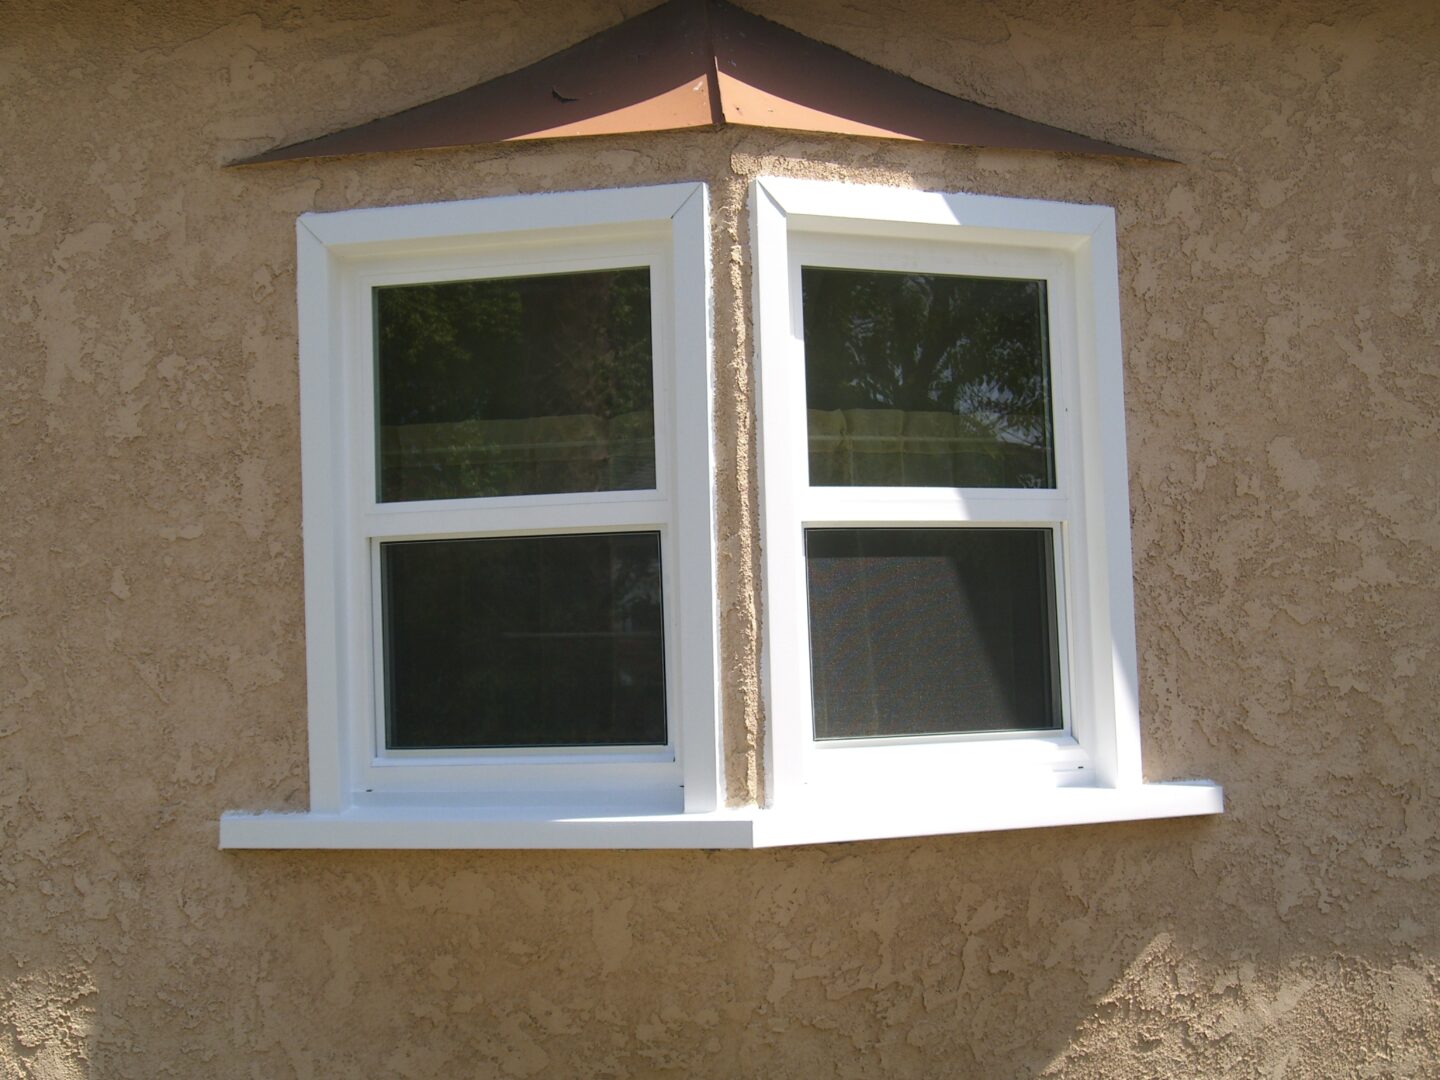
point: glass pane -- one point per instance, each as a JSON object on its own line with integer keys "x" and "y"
{"x": 515, "y": 386}
{"x": 926, "y": 380}
{"x": 932, "y": 631}
{"x": 524, "y": 641}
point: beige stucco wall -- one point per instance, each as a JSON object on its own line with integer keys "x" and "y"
{"x": 1280, "y": 306}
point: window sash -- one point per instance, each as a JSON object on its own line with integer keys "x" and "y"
{"x": 360, "y": 352}
{"x": 529, "y": 447}
{"x": 381, "y": 768}
{"x": 342, "y": 257}
{"x": 931, "y": 257}
{"x": 791, "y": 233}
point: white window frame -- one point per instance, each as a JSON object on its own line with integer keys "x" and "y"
{"x": 1072, "y": 247}
{"x": 342, "y": 258}
{"x": 675, "y": 798}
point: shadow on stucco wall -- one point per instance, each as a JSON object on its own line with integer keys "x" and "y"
{"x": 1056, "y": 952}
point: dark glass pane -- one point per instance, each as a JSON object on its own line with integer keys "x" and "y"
{"x": 929, "y": 631}
{"x": 524, "y": 641}
{"x": 515, "y": 386}
{"x": 926, "y": 380}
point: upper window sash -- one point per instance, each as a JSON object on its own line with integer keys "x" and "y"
{"x": 921, "y": 503}
{"x": 517, "y": 514}
{"x": 649, "y": 250}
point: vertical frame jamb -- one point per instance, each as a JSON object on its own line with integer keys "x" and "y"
{"x": 1107, "y": 499}
{"x": 321, "y": 437}
{"x": 782, "y": 624}
{"x": 693, "y": 486}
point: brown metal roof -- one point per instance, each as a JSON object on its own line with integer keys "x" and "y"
{"x": 695, "y": 64}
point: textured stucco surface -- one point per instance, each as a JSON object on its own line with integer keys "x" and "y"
{"x": 1281, "y": 303}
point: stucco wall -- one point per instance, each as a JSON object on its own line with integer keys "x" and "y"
{"x": 1279, "y": 292}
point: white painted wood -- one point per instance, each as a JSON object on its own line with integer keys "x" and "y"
{"x": 669, "y": 797}
{"x": 819, "y": 822}
{"x": 342, "y": 257}
{"x": 418, "y": 827}
{"x": 1071, "y": 248}
{"x": 320, "y": 396}
{"x": 453, "y": 224}
{"x": 1101, "y": 282}
{"x": 871, "y": 210}
{"x": 780, "y": 450}
{"x": 697, "y": 685}
{"x": 445, "y": 774}
{"x": 984, "y": 810}
{"x": 429, "y": 520}
{"x": 922, "y": 506}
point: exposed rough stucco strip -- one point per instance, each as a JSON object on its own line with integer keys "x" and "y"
{"x": 741, "y": 587}
{"x": 736, "y": 489}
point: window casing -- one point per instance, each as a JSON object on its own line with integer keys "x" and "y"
{"x": 358, "y": 524}
{"x": 1064, "y": 529}
{"x": 1071, "y": 250}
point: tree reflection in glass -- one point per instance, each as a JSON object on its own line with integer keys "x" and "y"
{"x": 515, "y": 386}
{"x": 926, "y": 380}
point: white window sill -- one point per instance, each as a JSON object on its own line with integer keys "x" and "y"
{"x": 747, "y": 827}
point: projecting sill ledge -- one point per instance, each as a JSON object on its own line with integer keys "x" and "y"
{"x": 806, "y": 822}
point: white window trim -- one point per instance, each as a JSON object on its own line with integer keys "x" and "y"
{"x": 909, "y": 781}
{"x": 341, "y": 257}
{"x": 615, "y": 813}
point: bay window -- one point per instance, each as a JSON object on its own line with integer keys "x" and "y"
{"x": 509, "y": 523}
